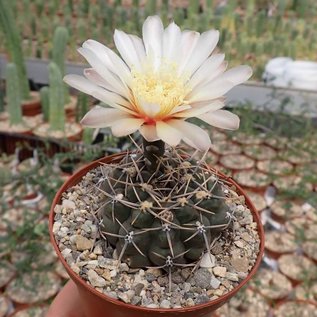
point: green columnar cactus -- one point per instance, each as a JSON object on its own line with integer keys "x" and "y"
{"x": 160, "y": 209}
{"x": 45, "y": 102}
{"x": 56, "y": 99}
{"x": 13, "y": 42}
{"x": 60, "y": 40}
{"x": 1, "y": 99}
{"x": 13, "y": 95}
{"x": 82, "y": 106}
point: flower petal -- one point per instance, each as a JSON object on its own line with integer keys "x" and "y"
{"x": 110, "y": 59}
{"x": 148, "y": 131}
{"x": 168, "y": 133}
{"x": 171, "y": 39}
{"x": 115, "y": 84}
{"x": 221, "y": 119}
{"x": 128, "y": 50}
{"x": 237, "y": 75}
{"x": 199, "y": 110}
{"x": 220, "y": 85}
{"x": 188, "y": 42}
{"x": 192, "y": 134}
{"x": 150, "y": 109}
{"x": 152, "y": 32}
{"x": 204, "y": 47}
{"x": 100, "y": 117}
{"x": 80, "y": 83}
{"x": 210, "y": 69}
{"x": 180, "y": 108}
{"x": 126, "y": 126}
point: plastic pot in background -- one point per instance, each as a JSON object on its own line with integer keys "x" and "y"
{"x": 95, "y": 303}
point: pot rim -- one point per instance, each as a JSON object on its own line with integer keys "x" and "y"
{"x": 76, "y": 177}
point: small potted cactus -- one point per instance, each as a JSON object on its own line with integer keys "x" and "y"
{"x": 154, "y": 231}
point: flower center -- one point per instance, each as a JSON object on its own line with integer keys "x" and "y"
{"x": 162, "y": 87}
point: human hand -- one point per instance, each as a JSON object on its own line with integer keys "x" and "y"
{"x": 66, "y": 303}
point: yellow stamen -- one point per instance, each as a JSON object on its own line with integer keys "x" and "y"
{"x": 163, "y": 87}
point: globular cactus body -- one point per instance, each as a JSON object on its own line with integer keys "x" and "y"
{"x": 162, "y": 217}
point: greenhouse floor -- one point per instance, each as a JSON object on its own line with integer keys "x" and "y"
{"x": 279, "y": 175}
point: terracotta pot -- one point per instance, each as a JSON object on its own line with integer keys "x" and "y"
{"x": 95, "y": 303}
{"x": 32, "y": 107}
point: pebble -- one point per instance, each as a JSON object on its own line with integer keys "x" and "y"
{"x": 232, "y": 277}
{"x": 207, "y": 261}
{"x": 202, "y": 278}
{"x": 165, "y": 304}
{"x": 186, "y": 287}
{"x": 220, "y": 271}
{"x": 138, "y": 288}
{"x": 69, "y": 204}
{"x": 95, "y": 279}
{"x": 214, "y": 283}
{"x": 82, "y": 243}
{"x": 239, "y": 243}
{"x": 240, "y": 264}
{"x": 202, "y": 299}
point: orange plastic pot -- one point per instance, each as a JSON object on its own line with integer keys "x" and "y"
{"x": 96, "y": 304}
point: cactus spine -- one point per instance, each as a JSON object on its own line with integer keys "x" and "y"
{"x": 13, "y": 41}
{"x": 13, "y": 95}
{"x": 56, "y": 99}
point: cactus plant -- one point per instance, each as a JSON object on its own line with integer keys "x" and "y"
{"x": 13, "y": 95}
{"x": 13, "y": 42}
{"x": 161, "y": 208}
{"x": 45, "y": 102}
{"x": 56, "y": 99}
{"x": 175, "y": 200}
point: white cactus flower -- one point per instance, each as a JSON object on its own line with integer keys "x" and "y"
{"x": 158, "y": 83}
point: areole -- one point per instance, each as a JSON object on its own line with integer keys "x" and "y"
{"x": 96, "y": 304}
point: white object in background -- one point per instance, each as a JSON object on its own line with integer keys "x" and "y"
{"x": 285, "y": 72}
{"x": 302, "y": 75}
{"x": 274, "y": 71}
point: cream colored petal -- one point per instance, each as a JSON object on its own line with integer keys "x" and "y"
{"x": 167, "y": 133}
{"x": 110, "y": 59}
{"x": 180, "y": 108}
{"x": 237, "y": 75}
{"x": 204, "y": 47}
{"x": 213, "y": 90}
{"x": 199, "y": 110}
{"x": 126, "y": 126}
{"x": 113, "y": 100}
{"x": 100, "y": 117}
{"x": 94, "y": 77}
{"x": 139, "y": 47}
{"x": 220, "y": 85}
{"x": 188, "y": 42}
{"x": 148, "y": 131}
{"x": 171, "y": 40}
{"x": 127, "y": 49}
{"x": 152, "y": 32}
{"x": 80, "y": 83}
{"x": 221, "y": 119}
{"x": 150, "y": 109}
{"x": 116, "y": 84}
{"x": 192, "y": 134}
{"x": 210, "y": 69}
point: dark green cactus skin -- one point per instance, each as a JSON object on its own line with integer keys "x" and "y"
{"x": 163, "y": 217}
